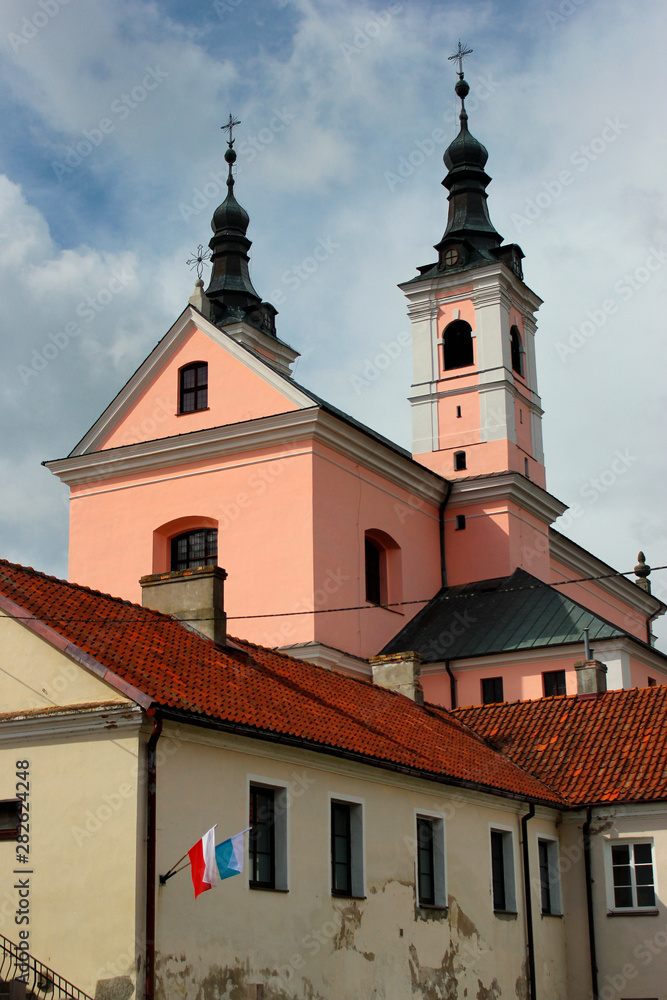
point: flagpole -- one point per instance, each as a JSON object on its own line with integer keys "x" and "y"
{"x": 163, "y": 879}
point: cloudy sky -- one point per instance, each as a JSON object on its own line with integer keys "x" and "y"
{"x": 110, "y": 168}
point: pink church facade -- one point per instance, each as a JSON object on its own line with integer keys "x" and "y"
{"x": 335, "y": 540}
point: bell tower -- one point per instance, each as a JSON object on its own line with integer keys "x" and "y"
{"x": 476, "y": 412}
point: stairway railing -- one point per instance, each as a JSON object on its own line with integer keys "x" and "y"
{"x": 42, "y": 983}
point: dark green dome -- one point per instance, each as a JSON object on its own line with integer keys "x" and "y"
{"x": 230, "y": 216}
{"x": 465, "y": 151}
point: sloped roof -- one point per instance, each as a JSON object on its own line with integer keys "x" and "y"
{"x": 594, "y": 749}
{"x": 256, "y": 689}
{"x": 496, "y": 616}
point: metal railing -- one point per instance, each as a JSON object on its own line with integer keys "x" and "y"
{"x": 26, "y": 977}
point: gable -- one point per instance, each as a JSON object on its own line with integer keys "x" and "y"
{"x": 241, "y": 387}
{"x": 36, "y": 675}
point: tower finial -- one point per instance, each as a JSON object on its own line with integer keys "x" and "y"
{"x": 462, "y": 87}
{"x": 230, "y": 154}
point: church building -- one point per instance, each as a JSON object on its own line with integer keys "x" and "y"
{"x": 339, "y": 545}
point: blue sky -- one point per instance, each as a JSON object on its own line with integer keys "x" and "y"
{"x": 339, "y": 100}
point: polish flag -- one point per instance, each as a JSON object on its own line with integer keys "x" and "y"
{"x": 203, "y": 864}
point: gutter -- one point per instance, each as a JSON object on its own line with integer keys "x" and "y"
{"x": 151, "y": 836}
{"x": 443, "y": 568}
{"x": 589, "y": 901}
{"x": 452, "y": 684}
{"x": 530, "y": 937}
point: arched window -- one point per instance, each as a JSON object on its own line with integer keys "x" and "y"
{"x": 193, "y": 549}
{"x": 193, "y": 387}
{"x": 458, "y": 345}
{"x": 383, "y": 568}
{"x": 516, "y": 351}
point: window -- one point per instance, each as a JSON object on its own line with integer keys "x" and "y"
{"x": 651, "y": 682}
{"x": 347, "y": 878}
{"x": 516, "y": 351}
{"x": 268, "y": 837}
{"x": 457, "y": 341}
{"x": 194, "y": 549}
{"x": 632, "y": 875}
{"x": 374, "y": 557}
{"x": 458, "y": 411}
{"x": 554, "y": 683}
{"x": 547, "y": 851}
{"x": 502, "y": 871}
{"x": 459, "y": 461}
{"x": 526, "y": 468}
{"x": 193, "y": 387}
{"x": 492, "y": 690}
{"x": 431, "y": 862}
{"x": 10, "y": 819}
{"x": 460, "y": 522}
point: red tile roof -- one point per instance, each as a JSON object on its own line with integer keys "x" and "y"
{"x": 610, "y": 747}
{"x": 257, "y": 688}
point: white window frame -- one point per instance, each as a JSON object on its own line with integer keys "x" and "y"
{"x": 509, "y": 867}
{"x": 609, "y": 872}
{"x": 281, "y": 805}
{"x": 357, "y": 845}
{"x": 555, "y": 892}
{"x": 439, "y": 859}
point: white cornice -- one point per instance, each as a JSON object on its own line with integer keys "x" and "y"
{"x": 188, "y": 321}
{"x": 71, "y": 722}
{"x": 586, "y": 564}
{"x": 258, "y": 340}
{"x": 483, "y": 281}
{"x": 329, "y": 658}
{"x": 507, "y": 486}
{"x": 278, "y": 430}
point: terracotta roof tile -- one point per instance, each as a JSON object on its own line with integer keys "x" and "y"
{"x": 607, "y": 748}
{"x": 264, "y": 690}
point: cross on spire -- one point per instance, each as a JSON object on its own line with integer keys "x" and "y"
{"x": 231, "y": 124}
{"x": 457, "y": 57}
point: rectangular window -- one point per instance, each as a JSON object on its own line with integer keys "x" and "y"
{"x": 547, "y": 851}
{"x": 347, "y": 877}
{"x": 460, "y": 522}
{"x": 554, "y": 683}
{"x": 431, "y": 862}
{"x": 262, "y": 838}
{"x": 373, "y": 572}
{"x": 651, "y": 682}
{"x": 632, "y": 875}
{"x": 502, "y": 871}
{"x": 492, "y": 690}
{"x": 268, "y": 837}
{"x": 10, "y": 819}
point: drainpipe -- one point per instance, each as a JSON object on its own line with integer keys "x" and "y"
{"x": 532, "y": 992}
{"x": 443, "y": 568}
{"x": 452, "y": 684}
{"x": 151, "y": 824}
{"x": 589, "y": 901}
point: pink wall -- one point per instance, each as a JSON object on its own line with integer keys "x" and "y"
{"x": 640, "y": 673}
{"x": 234, "y": 394}
{"x": 522, "y": 681}
{"x": 349, "y": 501}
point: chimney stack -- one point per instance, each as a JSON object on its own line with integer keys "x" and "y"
{"x": 194, "y": 595}
{"x": 591, "y": 677}
{"x": 399, "y": 672}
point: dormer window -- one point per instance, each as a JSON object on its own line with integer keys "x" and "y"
{"x": 193, "y": 387}
{"x": 457, "y": 340}
{"x": 516, "y": 351}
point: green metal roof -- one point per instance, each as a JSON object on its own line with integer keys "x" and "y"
{"x": 498, "y": 616}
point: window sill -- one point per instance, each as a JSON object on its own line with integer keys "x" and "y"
{"x": 559, "y": 916}
{"x": 441, "y": 908}
{"x": 394, "y": 611}
{"x": 265, "y": 888}
{"x": 189, "y": 413}
{"x": 646, "y": 911}
{"x": 511, "y": 914}
{"x": 346, "y": 895}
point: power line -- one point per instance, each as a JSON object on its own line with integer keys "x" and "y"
{"x": 540, "y": 585}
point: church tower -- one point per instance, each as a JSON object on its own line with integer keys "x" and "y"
{"x": 476, "y": 412}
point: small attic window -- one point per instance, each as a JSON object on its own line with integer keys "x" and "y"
{"x": 459, "y": 461}
{"x": 193, "y": 387}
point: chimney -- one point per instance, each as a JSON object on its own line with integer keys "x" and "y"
{"x": 399, "y": 672}
{"x": 591, "y": 677}
{"x": 193, "y": 595}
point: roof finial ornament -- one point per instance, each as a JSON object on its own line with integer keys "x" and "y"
{"x": 642, "y": 572}
{"x": 462, "y": 87}
{"x": 230, "y": 153}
